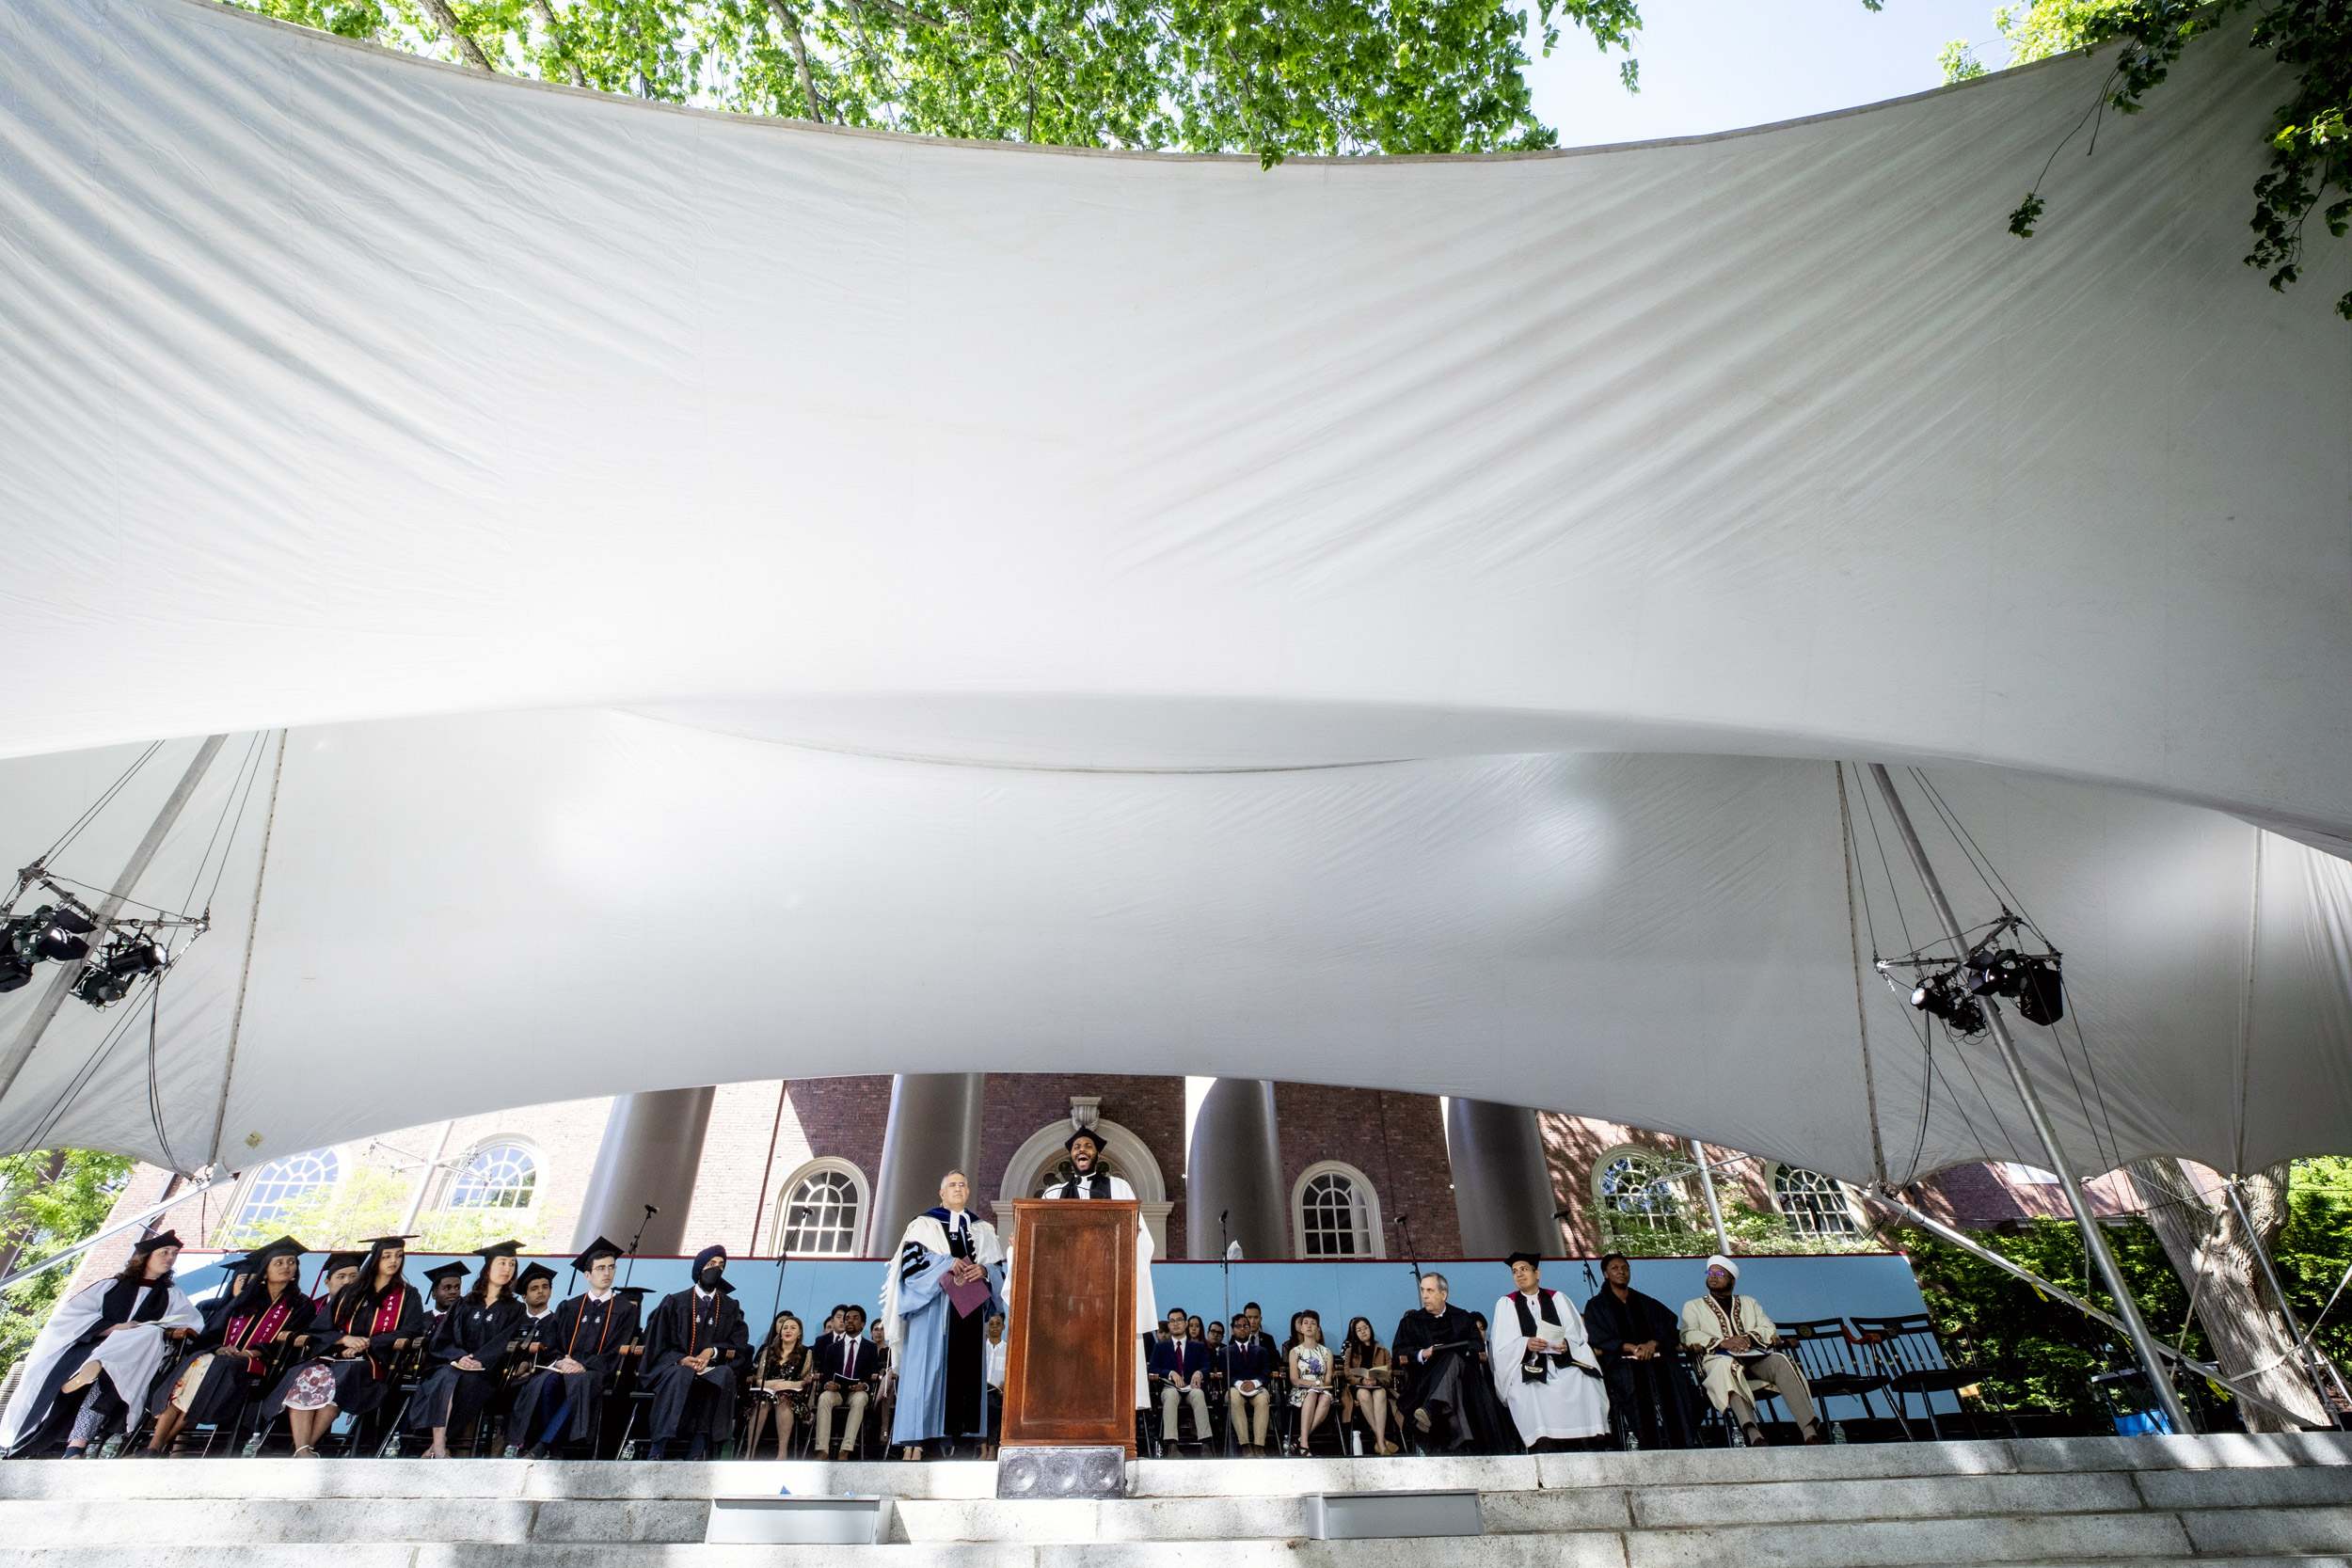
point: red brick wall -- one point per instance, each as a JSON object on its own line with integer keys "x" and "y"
{"x": 1398, "y": 1140}
{"x": 1015, "y": 1105}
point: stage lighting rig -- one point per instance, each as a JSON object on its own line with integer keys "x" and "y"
{"x": 130, "y": 958}
{"x": 1949, "y": 990}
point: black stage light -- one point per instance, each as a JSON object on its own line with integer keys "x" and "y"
{"x": 2041, "y": 990}
{"x": 61, "y": 933}
{"x": 1939, "y": 996}
{"x": 1993, "y": 973}
{"x": 14, "y": 971}
{"x": 127, "y": 960}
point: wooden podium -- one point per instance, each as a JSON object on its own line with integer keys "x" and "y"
{"x": 1069, "y": 1372}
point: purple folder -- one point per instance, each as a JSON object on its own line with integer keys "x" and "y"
{"x": 969, "y": 1296}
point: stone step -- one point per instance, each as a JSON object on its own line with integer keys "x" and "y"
{"x": 2186, "y": 1459}
{"x": 1916, "y": 1522}
{"x": 1600, "y": 1551}
{"x": 63, "y": 1521}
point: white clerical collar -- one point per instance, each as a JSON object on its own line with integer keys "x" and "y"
{"x": 594, "y": 1294}
{"x": 534, "y": 1317}
{"x": 701, "y": 1294}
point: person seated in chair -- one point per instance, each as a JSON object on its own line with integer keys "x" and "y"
{"x": 847, "y": 1367}
{"x": 585, "y": 1338}
{"x": 1249, "y": 1364}
{"x": 449, "y": 1283}
{"x": 468, "y": 1352}
{"x": 1545, "y": 1372}
{"x": 232, "y": 1355}
{"x": 98, "y": 1355}
{"x": 1634, "y": 1336}
{"x": 1180, "y": 1366}
{"x": 354, "y": 1340}
{"x": 696, "y": 1345}
{"x": 1436, "y": 1350}
{"x": 996, "y": 1359}
{"x": 1734, "y": 1341}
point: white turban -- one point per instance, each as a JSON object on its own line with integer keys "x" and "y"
{"x": 1720, "y": 1261}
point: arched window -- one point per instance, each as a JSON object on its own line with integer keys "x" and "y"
{"x": 1335, "y": 1212}
{"x": 500, "y": 1176}
{"x": 1814, "y": 1204}
{"x": 1639, "y": 1191}
{"x": 281, "y": 1183}
{"x": 823, "y": 1205}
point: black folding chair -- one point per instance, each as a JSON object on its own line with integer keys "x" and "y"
{"x": 1832, "y": 1368}
{"x": 1911, "y": 1355}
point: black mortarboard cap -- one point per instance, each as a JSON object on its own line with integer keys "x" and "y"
{"x": 378, "y": 1244}
{"x": 341, "y": 1260}
{"x": 1533, "y": 1259}
{"x": 149, "y": 1243}
{"x": 536, "y": 1271}
{"x": 498, "y": 1249}
{"x": 635, "y": 1292}
{"x": 448, "y": 1270}
{"x": 1089, "y": 1134}
{"x": 596, "y": 1249}
{"x": 285, "y": 1246}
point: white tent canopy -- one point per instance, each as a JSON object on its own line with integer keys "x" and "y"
{"x": 751, "y": 598}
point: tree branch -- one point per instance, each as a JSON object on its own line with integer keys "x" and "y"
{"x": 445, "y": 21}
{"x": 791, "y": 25}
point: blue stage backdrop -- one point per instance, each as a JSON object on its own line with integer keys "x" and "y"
{"x": 1793, "y": 1288}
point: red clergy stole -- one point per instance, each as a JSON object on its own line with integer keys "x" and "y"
{"x": 247, "y": 1333}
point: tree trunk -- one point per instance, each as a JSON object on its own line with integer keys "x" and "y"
{"x": 2203, "y": 1239}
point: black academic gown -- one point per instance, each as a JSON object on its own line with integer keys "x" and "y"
{"x": 687, "y": 1325}
{"x": 451, "y": 1396}
{"x": 239, "y": 1331}
{"x": 1453, "y": 1385}
{"x": 1651, "y": 1398}
{"x": 361, "y": 1380}
{"x": 57, "y": 1418}
{"x": 587, "y": 1331}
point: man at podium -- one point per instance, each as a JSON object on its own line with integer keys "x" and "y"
{"x": 1089, "y": 1180}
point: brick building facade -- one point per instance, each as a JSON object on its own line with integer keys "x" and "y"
{"x": 768, "y": 1139}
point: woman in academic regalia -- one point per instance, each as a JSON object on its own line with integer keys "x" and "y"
{"x": 361, "y": 1330}
{"x": 107, "y": 1339}
{"x": 214, "y": 1379}
{"x": 469, "y": 1351}
{"x": 936, "y": 1303}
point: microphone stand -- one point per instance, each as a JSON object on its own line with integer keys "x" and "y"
{"x": 1405, "y": 1229}
{"x": 1225, "y": 1351}
{"x": 631, "y": 1274}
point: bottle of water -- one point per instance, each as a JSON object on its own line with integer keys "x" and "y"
{"x": 1837, "y": 1431}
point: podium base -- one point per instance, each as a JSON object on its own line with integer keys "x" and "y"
{"x": 1042, "y": 1472}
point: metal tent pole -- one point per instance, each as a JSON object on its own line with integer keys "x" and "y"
{"x": 2312, "y": 1357}
{"x": 1715, "y": 1207}
{"x": 61, "y": 985}
{"x": 1885, "y": 1197}
{"x": 2143, "y": 1344}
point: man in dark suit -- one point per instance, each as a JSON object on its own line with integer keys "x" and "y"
{"x": 1179, "y": 1365}
{"x": 847, "y": 1365}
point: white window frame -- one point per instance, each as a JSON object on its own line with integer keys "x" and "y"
{"x": 1854, "y": 1212}
{"x": 1684, "y": 1221}
{"x": 858, "y": 1228}
{"x": 1374, "y": 1241}
{"x": 252, "y": 1179}
{"x": 453, "y": 1175}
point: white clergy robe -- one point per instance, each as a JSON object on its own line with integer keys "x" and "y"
{"x": 131, "y": 1358}
{"x": 1567, "y": 1402}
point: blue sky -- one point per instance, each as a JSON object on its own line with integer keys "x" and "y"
{"x": 1716, "y": 65}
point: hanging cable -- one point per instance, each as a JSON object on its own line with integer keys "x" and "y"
{"x": 100, "y": 804}
{"x": 229, "y": 802}
{"x": 154, "y": 1082}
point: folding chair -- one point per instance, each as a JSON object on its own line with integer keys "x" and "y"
{"x": 1825, "y": 1353}
{"x": 1911, "y": 1355}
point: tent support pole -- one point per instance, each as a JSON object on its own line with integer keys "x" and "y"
{"x": 2313, "y": 1360}
{"x": 2143, "y": 1344}
{"x": 1886, "y": 1198}
{"x": 62, "y": 984}
{"x": 136, "y": 1222}
{"x": 1714, "y": 1207}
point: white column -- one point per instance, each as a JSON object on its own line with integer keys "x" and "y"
{"x": 934, "y": 1128}
{"x": 1234, "y": 1169}
{"x": 1502, "y": 1182}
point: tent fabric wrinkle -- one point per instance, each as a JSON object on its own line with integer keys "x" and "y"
{"x": 743, "y": 600}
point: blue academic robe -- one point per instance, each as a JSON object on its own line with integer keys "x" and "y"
{"x": 927, "y": 1314}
